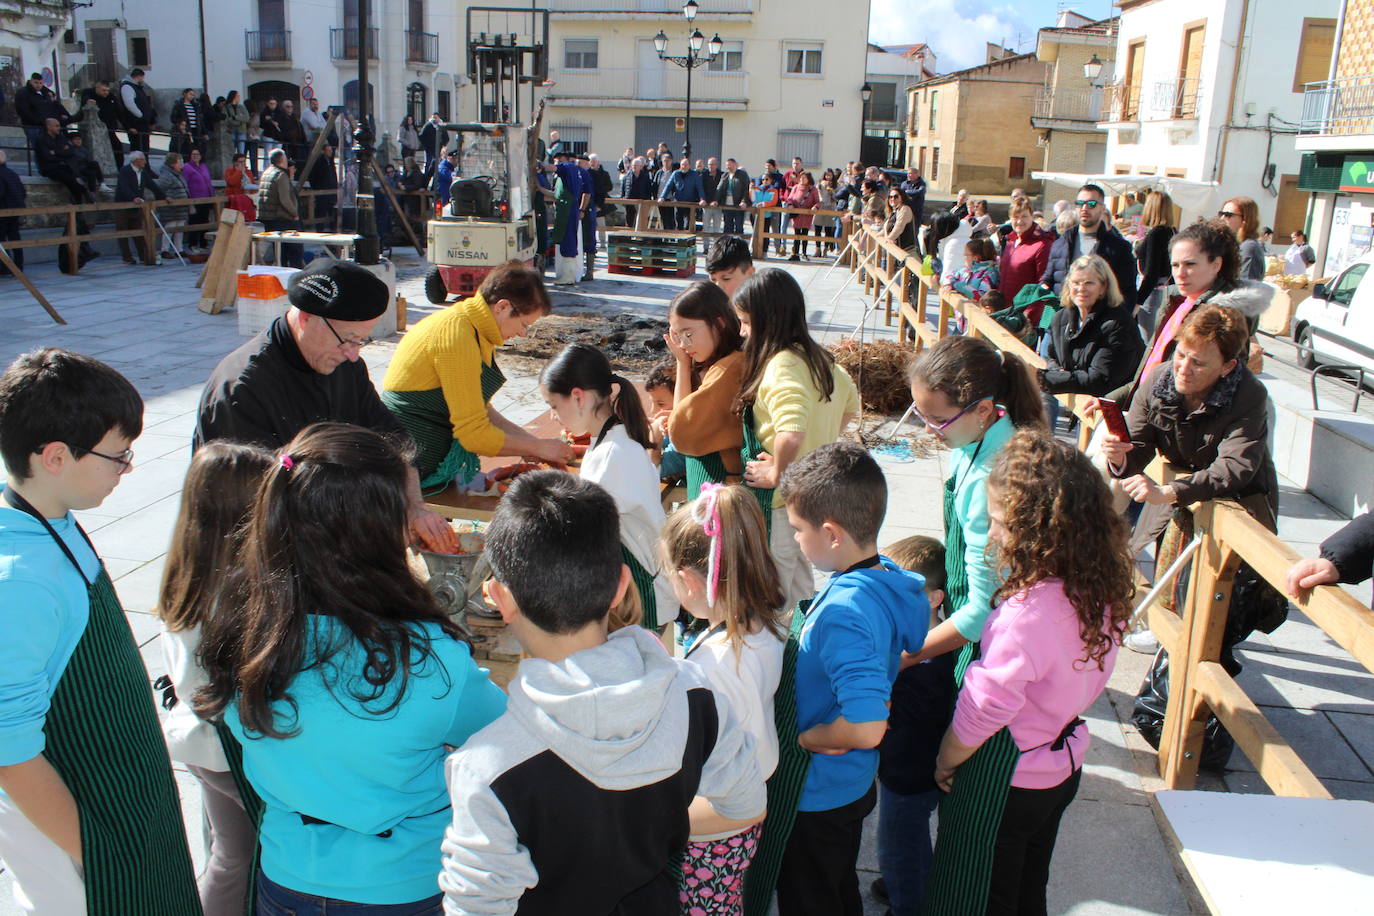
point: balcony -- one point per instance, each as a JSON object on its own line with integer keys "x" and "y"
{"x": 1168, "y": 100}
{"x": 1339, "y": 108}
{"x": 1069, "y": 105}
{"x": 709, "y": 8}
{"x": 1120, "y": 103}
{"x": 665, "y": 83}
{"x": 421, "y": 47}
{"x": 343, "y": 44}
{"x": 1176, "y": 100}
{"x": 267, "y": 47}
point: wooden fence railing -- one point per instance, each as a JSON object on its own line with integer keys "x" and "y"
{"x": 1199, "y": 685}
{"x": 146, "y": 230}
{"x": 759, "y": 236}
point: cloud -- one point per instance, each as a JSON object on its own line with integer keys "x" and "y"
{"x": 956, "y": 31}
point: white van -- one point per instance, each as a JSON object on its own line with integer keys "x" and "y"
{"x": 1337, "y": 322}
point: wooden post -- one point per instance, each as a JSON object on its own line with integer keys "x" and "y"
{"x": 758, "y": 245}
{"x": 73, "y": 246}
{"x": 396, "y": 208}
{"x": 315, "y": 148}
{"x": 13, "y": 268}
{"x": 150, "y": 241}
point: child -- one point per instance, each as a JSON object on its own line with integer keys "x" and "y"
{"x": 672, "y": 465}
{"x": 1047, "y": 652}
{"x": 219, "y": 489}
{"x": 717, "y": 549}
{"x": 922, "y": 699}
{"x": 793, "y": 398}
{"x": 704, "y": 338}
{"x": 730, "y": 263}
{"x": 342, "y": 679}
{"x": 589, "y": 399}
{"x": 856, "y": 630}
{"x": 576, "y": 801}
{"x": 90, "y": 820}
{"x": 980, "y": 272}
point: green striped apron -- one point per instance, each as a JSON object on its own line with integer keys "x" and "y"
{"x": 705, "y": 469}
{"x": 749, "y": 452}
{"x": 785, "y": 785}
{"x": 971, "y": 814}
{"x": 103, "y": 739}
{"x": 644, "y": 585}
{"x": 252, "y": 805}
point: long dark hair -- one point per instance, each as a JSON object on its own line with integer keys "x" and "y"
{"x": 776, "y": 308}
{"x": 326, "y": 535}
{"x": 942, "y": 225}
{"x": 965, "y": 369}
{"x": 220, "y": 486}
{"x": 704, "y": 301}
{"x": 1214, "y": 239}
{"x": 583, "y": 366}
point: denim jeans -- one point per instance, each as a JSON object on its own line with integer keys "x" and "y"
{"x": 275, "y": 900}
{"x": 904, "y": 850}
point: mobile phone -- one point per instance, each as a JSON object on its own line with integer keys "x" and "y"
{"x": 1116, "y": 423}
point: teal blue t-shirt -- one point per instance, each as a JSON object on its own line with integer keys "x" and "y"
{"x": 364, "y": 773}
{"x": 43, "y": 614}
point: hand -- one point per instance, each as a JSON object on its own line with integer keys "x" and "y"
{"x": 1308, "y": 574}
{"x": 909, "y": 659}
{"x": 944, "y": 777}
{"x": 701, "y": 203}
{"x": 554, "y": 451}
{"x": 1091, "y": 407}
{"x": 675, "y": 348}
{"x": 807, "y": 740}
{"x": 1144, "y": 490}
{"x": 432, "y": 531}
{"x": 762, "y": 474}
{"x": 1114, "y": 450}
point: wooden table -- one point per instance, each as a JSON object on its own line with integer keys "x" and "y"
{"x": 342, "y": 241}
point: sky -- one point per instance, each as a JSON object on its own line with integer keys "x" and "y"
{"x": 957, "y": 29}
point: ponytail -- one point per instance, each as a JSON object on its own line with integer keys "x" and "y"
{"x": 965, "y": 369}
{"x": 628, "y": 408}
{"x": 583, "y": 366}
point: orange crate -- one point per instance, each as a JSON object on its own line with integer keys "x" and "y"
{"x": 261, "y": 286}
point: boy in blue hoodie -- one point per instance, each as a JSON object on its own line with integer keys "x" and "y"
{"x": 866, "y": 616}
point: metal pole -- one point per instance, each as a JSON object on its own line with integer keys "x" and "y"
{"x": 368, "y": 249}
{"x": 687, "y": 125}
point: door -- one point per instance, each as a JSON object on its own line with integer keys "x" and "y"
{"x": 652, "y": 82}
{"x": 103, "y": 53}
{"x": 1189, "y": 71}
{"x": 1135, "y": 75}
{"x": 1290, "y": 212}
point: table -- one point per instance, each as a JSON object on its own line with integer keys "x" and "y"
{"x": 340, "y": 240}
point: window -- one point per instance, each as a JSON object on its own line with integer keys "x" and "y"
{"x": 804, "y": 144}
{"x": 1189, "y": 72}
{"x": 803, "y": 60}
{"x": 934, "y": 108}
{"x": 730, "y": 58}
{"x": 934, "y": 163}
{"x": 139, "y": 54}
{"x": 416, "y": 15}
{"x": 1343, "y": 292}
{"x": 1176, "y": 173}
{"x": 882, "y": 106}
{"x": 442, "y": 102}
{"x": 576, "y": 137}
{"x": 1314, "y": 52}
{"x": 1135, "y": 76}
{"x": 580, "y": 53}
{"x": 1016, "y": 167}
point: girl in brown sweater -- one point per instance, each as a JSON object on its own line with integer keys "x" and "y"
{"x": 704, "y": 337}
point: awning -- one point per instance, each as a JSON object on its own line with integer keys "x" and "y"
{"x": 1195, "y": 198}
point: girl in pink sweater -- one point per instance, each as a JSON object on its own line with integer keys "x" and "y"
{"x": 1047, "y": 649}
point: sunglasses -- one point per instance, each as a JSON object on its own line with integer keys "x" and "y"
{"x": 1090, "y": 204}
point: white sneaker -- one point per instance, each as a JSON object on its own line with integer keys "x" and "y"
{"x": 1142, "y": 641}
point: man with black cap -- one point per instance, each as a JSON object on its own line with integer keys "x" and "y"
{"x": 305, "y": 368}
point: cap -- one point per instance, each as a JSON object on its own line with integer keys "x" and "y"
{"x": 342, "y": 290}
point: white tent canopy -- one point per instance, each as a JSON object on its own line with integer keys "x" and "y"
{"x": 1195, "y": 198}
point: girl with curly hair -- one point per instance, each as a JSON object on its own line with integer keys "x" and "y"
{"x": 1064, "y": 598}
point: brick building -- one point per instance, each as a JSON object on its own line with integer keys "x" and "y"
{"x": 1070, "y": 104}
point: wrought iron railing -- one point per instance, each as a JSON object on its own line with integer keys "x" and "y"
{"x": 1342, "y": 107}
{"x": 1069, "y": 104}
{"x": 343, "y": 44}
{"x": 267, "y": 45}
{"x": 422, "y": 47}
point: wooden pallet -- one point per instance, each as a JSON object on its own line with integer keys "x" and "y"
{"x": 652, "y": 271}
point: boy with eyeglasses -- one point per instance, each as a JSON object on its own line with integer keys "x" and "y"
{"x": 90, "y": 819}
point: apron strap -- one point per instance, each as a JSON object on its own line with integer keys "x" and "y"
{"x": 23, "y": 505}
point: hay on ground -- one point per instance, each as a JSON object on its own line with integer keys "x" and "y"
{"x": 879, "y": 369}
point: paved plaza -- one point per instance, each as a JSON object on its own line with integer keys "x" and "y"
{"x": 1111, "y": 858}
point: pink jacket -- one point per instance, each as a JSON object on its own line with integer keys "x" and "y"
{"x": 1032, "y": 678}
{"x": 800, "y": 196}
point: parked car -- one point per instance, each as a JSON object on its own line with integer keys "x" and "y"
{"x": 1336, "y": 325}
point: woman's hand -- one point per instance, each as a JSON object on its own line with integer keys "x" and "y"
{"x": 432, "y": 531}
{"x": 554, "y": 451}
{"x": 1114, "y": 450}
{"x": 1090, "y": 407}
{"x": 675, "y": 348}
{"x": 762, "y": 474}
{"x": 1144, "y": 490}
{"x": 944, "y": 777}
{"x": 1308, "y": 574}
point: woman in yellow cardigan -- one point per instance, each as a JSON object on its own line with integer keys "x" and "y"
{"x": 441, "y": 381}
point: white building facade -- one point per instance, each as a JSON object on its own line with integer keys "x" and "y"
{"x": 1212, "y": 91}
{"x": 31, "y": 34}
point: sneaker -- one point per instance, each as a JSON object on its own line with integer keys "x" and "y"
{"x": 879, "y": 891}
{"x": 1142, "y": 641}
{"x": 794, "y": 258}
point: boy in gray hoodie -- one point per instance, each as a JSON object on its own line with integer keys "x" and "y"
{"x": 575, "y": 800}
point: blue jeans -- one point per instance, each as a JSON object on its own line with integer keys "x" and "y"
{"x": 275, "y": 900}
{"x": 904, "y": 850}
{"x": 671, "y": 463}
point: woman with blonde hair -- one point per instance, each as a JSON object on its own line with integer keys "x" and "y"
{"x": 1152, "y": 257}
{"x": 1242, "y": 216}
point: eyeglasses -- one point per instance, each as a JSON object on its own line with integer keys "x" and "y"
{"x": 1090, "y": 204}
{"x": 941, "y": 427}
{"x": 1226, "y": 214}
{"x": 124, "y": 459}
{"x": 359, "y": 344}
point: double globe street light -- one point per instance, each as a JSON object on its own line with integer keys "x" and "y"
{"x": 690, "y": 61}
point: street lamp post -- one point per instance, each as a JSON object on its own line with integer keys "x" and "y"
{"x": 865, "y": 93}
{"x": 368, "y": 249}
{"x": 690, "y": 61}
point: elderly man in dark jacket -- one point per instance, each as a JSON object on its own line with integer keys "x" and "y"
{"x": 136, "y": 184}
{"x": 12, "y": 197}
{"x": 1093, "y": 235}
{"x": 636, "y": 184}
{"x": 733, "y": 190}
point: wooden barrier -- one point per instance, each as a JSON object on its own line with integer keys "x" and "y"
{"x": 759, "y": 237}
{"x": 1199, "y": 685}
{"x": 147, "y": 229}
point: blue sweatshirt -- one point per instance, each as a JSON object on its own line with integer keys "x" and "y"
{"x": 364, "y": 773}
{"x": 43, "y": 613}
{"x": 849, "y": 655}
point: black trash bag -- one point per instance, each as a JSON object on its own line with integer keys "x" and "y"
{"x": 1148, "y": 716}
